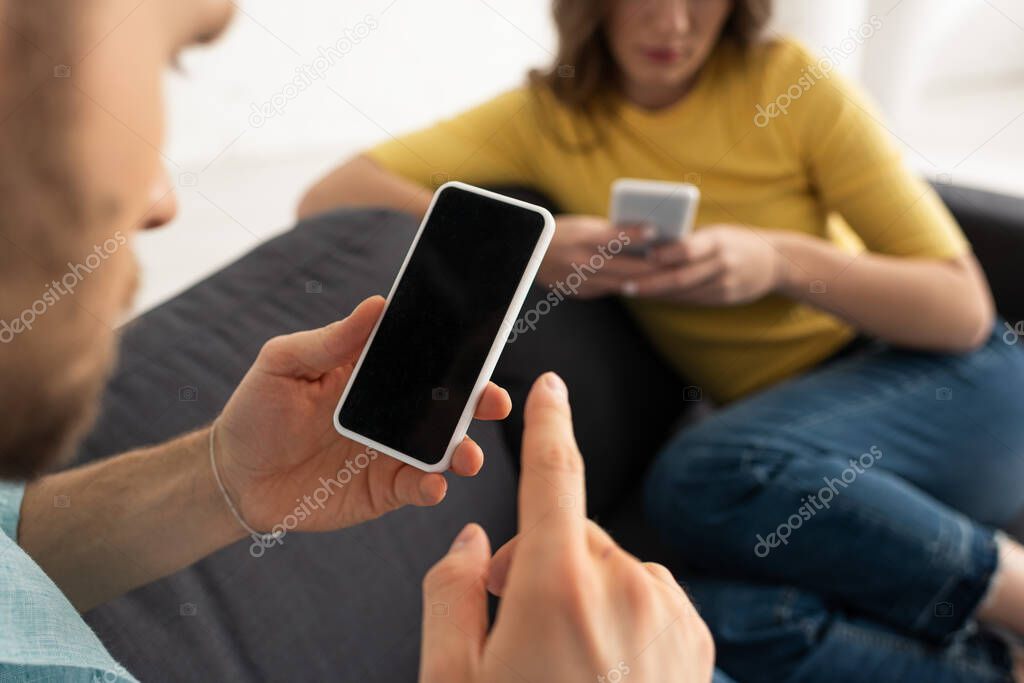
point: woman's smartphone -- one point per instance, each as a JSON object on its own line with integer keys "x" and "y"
{"x": 670, "y": 207}
{"x": 416, "y": 385}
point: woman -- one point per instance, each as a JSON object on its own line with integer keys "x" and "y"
{"x": 848, "y": 489}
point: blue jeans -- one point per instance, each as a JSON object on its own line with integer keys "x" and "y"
{"x": 847, "y": 516}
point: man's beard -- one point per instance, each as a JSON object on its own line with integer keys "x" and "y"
{"x": 51, "y": 393}
{"x": 54, "y": 376}
{"x": 45, "y": 431}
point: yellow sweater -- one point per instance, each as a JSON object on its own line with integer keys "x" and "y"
{"x": 825, "y": 166}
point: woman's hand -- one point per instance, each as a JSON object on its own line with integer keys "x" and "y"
{"x": 715, "y": 266}
{"x": 280, "y": 456}
{"x": 587, "y": 258}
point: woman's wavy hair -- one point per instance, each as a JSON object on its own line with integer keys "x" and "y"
{"x": 584, "y": 67}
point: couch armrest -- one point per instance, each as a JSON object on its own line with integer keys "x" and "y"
{"x": 994, "y": 224}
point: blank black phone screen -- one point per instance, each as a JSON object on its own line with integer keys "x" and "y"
{"x": 443, "y": 318}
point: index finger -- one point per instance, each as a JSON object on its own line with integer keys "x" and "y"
{"x": 696, "y": 247}
{"x": 612, "y": 238}
{"x": 637, "y": 234}
{"x": 551, "y": 484}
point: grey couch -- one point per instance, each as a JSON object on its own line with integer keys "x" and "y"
{"x": 346, "y": 605}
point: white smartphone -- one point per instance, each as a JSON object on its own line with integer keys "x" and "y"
{"x": 416, "y": 385}
{"x": 670, "y": 207}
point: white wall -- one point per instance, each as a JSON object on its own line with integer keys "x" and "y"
{"x": 948, "y": 76}
{"x": 409, "y": 62}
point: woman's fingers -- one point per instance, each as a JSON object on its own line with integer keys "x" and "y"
{"x": 638, "y": 234}
{"x": 714, "y": 292}
{"x": 678, "y": 281}
{"x": 699, "y": 246}
{"x": 623, "y": 266}
{"x": 613, "y": 237}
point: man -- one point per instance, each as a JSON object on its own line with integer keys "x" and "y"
{"x": 79, "y": 175}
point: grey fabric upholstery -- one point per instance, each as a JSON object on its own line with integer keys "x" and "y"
{"x": 994, "y": 224}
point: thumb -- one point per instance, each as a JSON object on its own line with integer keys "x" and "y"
{"x": 699, "y": 245}
{"x": 497, "y": 577}
{"x": 314, "y": 353}
{"x": 455, "y": 610}
{"x": 637, "y": 233}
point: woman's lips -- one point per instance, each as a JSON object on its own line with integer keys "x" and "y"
{"x": 663, "y": 55}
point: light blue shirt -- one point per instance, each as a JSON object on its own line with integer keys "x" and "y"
{"x": 42, "y": 637}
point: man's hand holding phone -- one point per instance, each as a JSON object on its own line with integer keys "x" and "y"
{"x": 575, "y": 606}
{"x": 277, "y": 451}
